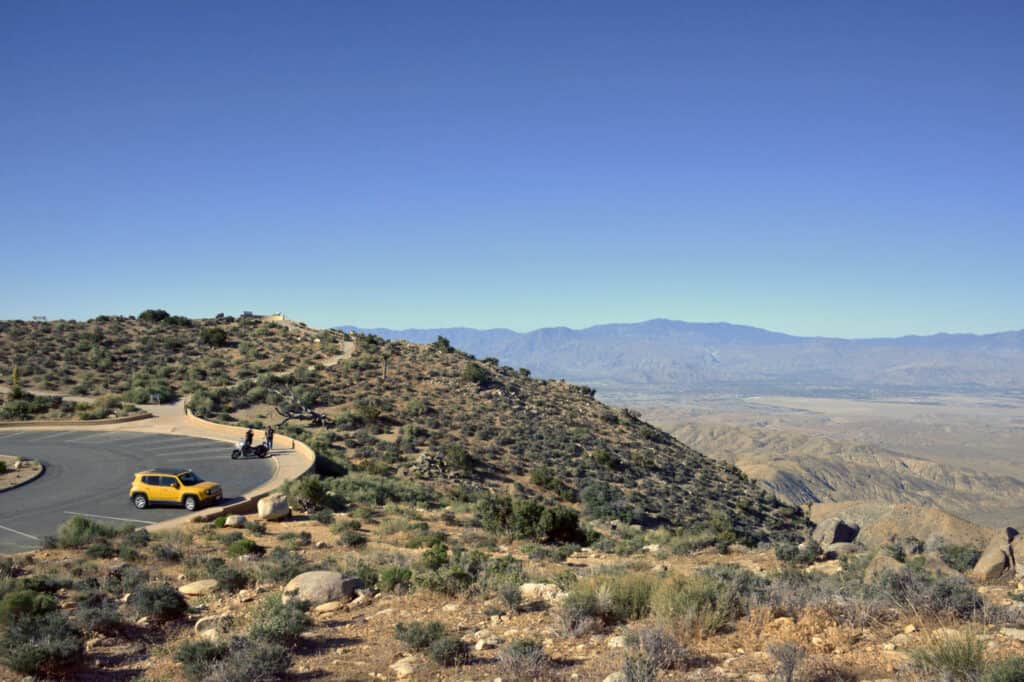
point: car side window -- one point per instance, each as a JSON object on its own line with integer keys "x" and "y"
{"x": 167, "y": 481}
{"x": 151, "y": 480}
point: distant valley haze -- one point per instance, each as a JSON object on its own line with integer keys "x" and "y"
{"x": 668, "y": 356}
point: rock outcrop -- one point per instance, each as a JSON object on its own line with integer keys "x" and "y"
{"x": 835, "y": 530}
{"x": 320, "y": 587}
{"x": 999, "y": 557}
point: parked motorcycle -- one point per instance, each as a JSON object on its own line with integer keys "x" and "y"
{"x": 243, "y": 451}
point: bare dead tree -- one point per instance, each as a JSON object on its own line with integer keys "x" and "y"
{"x": 291, "y": 407}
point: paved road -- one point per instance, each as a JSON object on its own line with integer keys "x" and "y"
{"x": 89, "y": 473}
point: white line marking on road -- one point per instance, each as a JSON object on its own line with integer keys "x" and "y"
{"x": 4, "y": 434}
{"x": 207, "y": 458}
{"x": 112, "y": 518}
{"x": 18, "y": 532}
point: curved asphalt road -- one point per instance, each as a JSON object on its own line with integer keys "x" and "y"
{"x": 89, "y": 473}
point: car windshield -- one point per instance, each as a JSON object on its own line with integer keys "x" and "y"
{"x": 189, "y": 478}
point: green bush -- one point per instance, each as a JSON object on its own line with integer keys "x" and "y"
{"x": 275, "y": 621}
{"x": 40, "y": 644}
{"x": 419, "y": 635}
{"x": 158, "y": 601}
{"x": 78, "y": 531}
{"x": 529, "y": 520}
{"x": 213, "y": 336}
{"x": 609, "y": 600}
{"x": 23, "y": 602}
{"x": 448, "y": 651}
{"x": 351, "y": 538}
{"x": 245, "y": 546}
{"x": 395, "y": 579}
{"x": 240, "y": 660}
{"x": 474, "y": 373}
{"x": 959, "y": 557}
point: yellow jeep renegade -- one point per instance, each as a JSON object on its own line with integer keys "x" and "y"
{"x": 173, "y": 486}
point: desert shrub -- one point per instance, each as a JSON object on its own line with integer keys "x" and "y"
{"x": 603, "y": 501}
{"x": 960, "y": 657}
{"x": 579, "y": 613}
{"x": 528, "y": 519}
{"x": 658, "y": 649}
{"x": 448, "y": 651}
{"x": 395, "y": 579}
{"x": 40, "y": 643}
{"x": 928, "y": 594}
{"x": 524, "y": 659}
{"x": 379, "y": 490}
{"x": 103, "y": 618}
{"x": 788, "y": 656}
{"x": 456, "y": 458}
{"x": 307, "y": 493}
{"x": 795, "y": 555}
{"x": 281, "y": 565}
{"x": 706, "y": 602}
{"x": 275, "y": 621}
{"x": 351, "y": 538}
{"x": 78, "y": 532}
{"x": 196, "y": 657}
{"x": 165, "y": 552}
{"x": 616, "y": 598}
{"x": 213, "y": 336}
{"x": 959, "y": 557}
{"x": 296, "y": 540}
{"x": 158, "y": 601}
{"x": 153, "y": 315}
{"x": 23, "y": 602}
{"x": 324, "y": 516}
{"x": 474, "y": 373}
{"x": 511, "y": 596}
{"x": 419, "y": 635}
{"x": 240, "y": 660}
{"x": 245, "y": 546}
{"x": 1009, "y": 669}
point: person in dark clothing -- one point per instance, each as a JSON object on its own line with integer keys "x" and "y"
{"x": 269, "y": 435}
{"x": 248, "y": 439}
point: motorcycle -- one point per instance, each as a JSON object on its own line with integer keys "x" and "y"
{"x": 243, "y": 451}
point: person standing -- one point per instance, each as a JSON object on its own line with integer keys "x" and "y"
{"x": 269, "y": 435}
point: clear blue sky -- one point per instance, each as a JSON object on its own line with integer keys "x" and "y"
{"x": 835, "y": 168}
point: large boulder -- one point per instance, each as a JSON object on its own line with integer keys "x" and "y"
{"x": 998, "y": 559}
{"x": 234, "y": 521}
{"x": 833, "y": 530}
{"x": 881, "y": 564}
{"x": 273, "y": 507}
{"x": 320, "y": 587}
{"x": 199, "y": 588}
{"x": 838, "y": 549}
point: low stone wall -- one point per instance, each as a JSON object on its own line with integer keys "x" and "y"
{"x": 50, "y": 423}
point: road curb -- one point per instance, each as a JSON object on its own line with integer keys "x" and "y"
{"x": 51, "y": 423}
{"x": 42, "y": 470}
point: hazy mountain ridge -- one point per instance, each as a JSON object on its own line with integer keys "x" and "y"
{"x": 673, "y": 356}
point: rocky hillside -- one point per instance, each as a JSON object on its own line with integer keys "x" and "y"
{"x": 407, "y": 422}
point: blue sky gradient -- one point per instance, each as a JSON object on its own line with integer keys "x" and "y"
{"x": 819, "y": 168}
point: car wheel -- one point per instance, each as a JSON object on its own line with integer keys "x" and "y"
{"x": 140, "y": 501}
{"x": 190, "y": 503}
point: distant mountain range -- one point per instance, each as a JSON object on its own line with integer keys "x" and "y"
{"x": 665, "y": 356}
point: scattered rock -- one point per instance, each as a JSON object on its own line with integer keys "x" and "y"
{"x": 617, "y": 676}
{"x": 404, "y": 667}
{"x": 328, "y": 607}
{"x": 838, "y": 549}
{"x": 616, "y": 642}
{"x": 234, "y": 521}
{"x": 213, "y": 628}
{"x": 246, "y": 595}
{"x": 995, "y": 561}
{"x": 319, "y": 587}
{"x": 545, "y": 592}
{"x": 273, "y": 507}
{"x": 1016, "y": 634}
{"x": 448, "y": 608}
{"x": 198, "y": 588}
{"x": 833, "y": 530}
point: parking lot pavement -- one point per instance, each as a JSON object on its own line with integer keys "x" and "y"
{"x": 88, "y": 473}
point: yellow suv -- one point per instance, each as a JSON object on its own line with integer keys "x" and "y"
{"x": 173, "y": 486}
